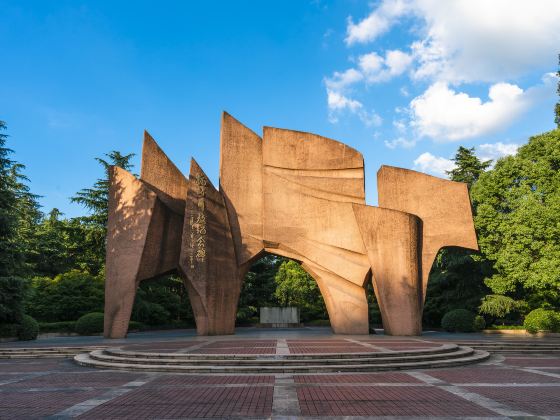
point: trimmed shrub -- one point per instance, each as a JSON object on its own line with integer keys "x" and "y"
{"x": 89, "y": 324}
{"x": 479, "y": 323}
{"x": 135, "y": 325}
{"x": 542, "y": 320}
{"x": 57, "y": 327}
{"x": 28, "y": 329}
{"x": 458, "y": 320}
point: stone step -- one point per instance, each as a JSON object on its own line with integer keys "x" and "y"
{"x": 118, "y": 352}
{"x": 85, "y": 359}
{"x": 44, "y": 352}
{"x": 514, "y": 347}
{"x": 279, "y": 360}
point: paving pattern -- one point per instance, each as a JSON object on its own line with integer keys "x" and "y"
{"x": 505, "y": 386}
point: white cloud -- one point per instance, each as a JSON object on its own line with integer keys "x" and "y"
{"x": 378, "y": 22}
{"x": 495, "y": 151}
{"x": 337, "y": 101}
{"x": 400, "y": 142}
{"x": 446, "y": 115}
{"x": 471, "y": 40}
{"x": 341, "y": 80}
{"x": 431, "y": 164}
{"x": 378, "y": 69}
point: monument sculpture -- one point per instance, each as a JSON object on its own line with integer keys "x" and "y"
{"x": 289, "y": 193}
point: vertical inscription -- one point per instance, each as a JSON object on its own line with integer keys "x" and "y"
{"x": 198, "y": 223}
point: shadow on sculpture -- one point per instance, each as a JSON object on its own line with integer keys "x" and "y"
{"x": 289, "y": 193}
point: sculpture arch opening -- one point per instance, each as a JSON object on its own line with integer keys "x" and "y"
{"x": 293, "y": 194}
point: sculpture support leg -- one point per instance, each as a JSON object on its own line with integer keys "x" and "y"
{"x": 392, "y": 238}
{"x": 119, "y": 299}
{"x": 346, "y": 302}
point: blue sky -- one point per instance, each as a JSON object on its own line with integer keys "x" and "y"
{"x": 403, "y": 81}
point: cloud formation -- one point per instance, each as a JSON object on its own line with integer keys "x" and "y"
{"x": 457, "y": 43}
{"x": 434, "y": 165}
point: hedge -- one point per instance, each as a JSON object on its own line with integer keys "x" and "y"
{"x": 542, "y": 320}
{"x": 28, "y": 329}
{"x": 458, "y": 320}
{"x": 90, "y": 324}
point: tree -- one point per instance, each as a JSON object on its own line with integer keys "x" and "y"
{"x": 297, "y": 288}
{"x": 518, "y": 222}
{"x": 258, "y": 287}
{"x": 88, "y": 233}
{"x": 468, "y": 167}
{"x": 19, "y": 213}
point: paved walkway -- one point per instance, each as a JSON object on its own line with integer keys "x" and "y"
{"x": 506, "y": 386}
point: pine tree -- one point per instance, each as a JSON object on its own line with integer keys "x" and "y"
{"x": 87, "y": 233}
{"x": 468, "y": 167}
{"x": 19, "y": 213}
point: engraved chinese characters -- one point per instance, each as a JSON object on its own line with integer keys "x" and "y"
{"x": 198, "y": 224}
{"x": 293, "y": 194}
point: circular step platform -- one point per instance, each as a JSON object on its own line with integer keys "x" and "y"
{"x": 319, "y": 361}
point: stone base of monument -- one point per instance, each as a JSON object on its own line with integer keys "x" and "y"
{"x": 446, "y": 355}
{"x": 275, "y": 317}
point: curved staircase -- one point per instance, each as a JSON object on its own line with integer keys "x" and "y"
{"x": 443, "y": 356}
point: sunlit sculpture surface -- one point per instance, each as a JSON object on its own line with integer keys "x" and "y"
{"x": 289, "y": 193}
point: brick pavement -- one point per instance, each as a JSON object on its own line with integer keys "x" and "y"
{"x": 505, "y": 386}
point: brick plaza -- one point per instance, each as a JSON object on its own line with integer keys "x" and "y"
{"x": 505, "y": 386}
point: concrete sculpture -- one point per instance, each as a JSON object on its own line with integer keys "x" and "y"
{"x": 289, "y": 193}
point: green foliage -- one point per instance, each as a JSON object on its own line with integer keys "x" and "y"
{"x": 479, "y": 323}
{"x": 19, "y": 213}
{"x": 89, "y": 324}
{"x": 91, "y": 230}
{"x": 456, "y": 282}
{"x": 458, "y": 320}
{"x": 66, "y": 297}
{"x": 542, "y": 320}
{"x": 258, "y": 288}
{"x": 9, "y": 330}
{"x": 468, "y": 167}
{"x": 150, "y": 313}
{"x": 28, "y": 328}
{"x": 12, "y": 293}
{"x": 57, "y": 327}
{"x": 297, "y": 288}
{"x": 136, "y": 326}
{"x": 499, "y": 306}
{"x": 161, "y": 302}
{"x": 518, "y": 222}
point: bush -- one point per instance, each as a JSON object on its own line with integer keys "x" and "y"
{"x": 9, "y": 330}
{"x": 542, "y": 320}
{"x": 66, "y": 297}
{"x": 479, "y": 323}
{"x": 135, "y": 325}
{"x": 458, "y": 320}
{"x": 90, "y": 324}
{"x": 28, "y": 328}
{"x": 150, "y": 313}
{"x": 12, "y": 293}
{"x": 58, "y": 327}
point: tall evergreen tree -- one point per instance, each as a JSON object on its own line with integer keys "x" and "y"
{"x": 19, "y": 213}
{"x": 87, "y": 233}
{"x": 468, "y": 167}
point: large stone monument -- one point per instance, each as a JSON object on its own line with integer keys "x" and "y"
{"x": 289, "y": 193}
